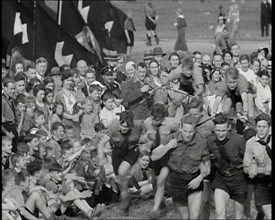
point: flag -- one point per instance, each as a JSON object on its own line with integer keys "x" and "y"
{"x": 49, "y": 40}
{"x": 64, "y": 48}
{"x": 106, "y": 22}
{"x": 17, "y": 28}
{"x": 70, "y": 19}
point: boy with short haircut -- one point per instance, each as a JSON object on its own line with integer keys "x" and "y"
{"x": 24, "y": 149}
{"x": 57, "y": 138}
{"x": 41, "y": 65}
{"x": 39, "y": 120}
{"x": 263, "y": 94}
{"x": 233, "y": 92}
{"x": 227, "y": 151}
{"x": 9, "y": 126}
{"x": 90, "y": 79}
{"x": 257, "y": 163}
{"x": 11, "y": 197}
{"x": 95, "y": 94}
{"x": 18, "y": 162}
{"x": 6, "y": 151}
{"x": 36, "y": 199}
{"x": 20, "y": 108}
{"x": 88, "y": 120}
{"x": 106, "y": 115}
{"x": 30, "y": 71}
{"x": 69, "y": 132}
{"x": 28, "y": 121}
{"x": 251, "y": 78}
{"x": 188, "y": 166}
{"x": 42, "y": 141}
{"x": 118, "y": 107}
{"x": 141, "y": 175}
{"x": 32, "y": 141}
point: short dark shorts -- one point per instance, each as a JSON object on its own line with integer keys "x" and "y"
{"x": 150, "y": 26}
{"x": 131, "y": 35}
{"x": 179, "y": 186}
{"x": 235, "y": 99}
{"x": 263, "y": 190}
{"x": 235, "y": 185}
{"x": 158, "y": 164}
{"x": 130, "y": 156}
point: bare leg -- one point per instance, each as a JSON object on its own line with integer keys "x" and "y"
{"x": 123, "y": 184}
{"x": 267, "y": 210}
{"x": 194, "y": 204}
{"x": 239, "y": 210}
{"x": 183, "y": 210}
{"x": 226, "y": 106}
{"x": 160, "y": 188}
{"x": 221, "y": 200}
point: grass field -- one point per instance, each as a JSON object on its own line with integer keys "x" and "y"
{"x": 199, "y": 17}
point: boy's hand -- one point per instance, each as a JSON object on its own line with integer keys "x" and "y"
{"x": 75, "y": 118}
{"x": 195, "y": 183}
{"x": 86, "y": 193}
{"x": 172, "y": 143}
{"x": 145, "y": 88}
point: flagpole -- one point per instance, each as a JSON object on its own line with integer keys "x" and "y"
{"x": 34, "y": 30}
{"x": 59, "y": 12}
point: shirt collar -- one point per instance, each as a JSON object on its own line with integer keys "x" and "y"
{"x": 192, "y": 142}
{"x": 181, "y": 16}
{"x": 7, "y": 97}
{"x": 257, "y": 137}
{"x": 39, "y": 76}
{"x": 228, "y": 136}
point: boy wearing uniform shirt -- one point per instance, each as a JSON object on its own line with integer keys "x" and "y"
{"x": 189, "y": 163}
{"x": 233, "y": 91}
{"x": 9, "y": 126}
{"x": 227, "y": 152}
{"x": 123, "y": 135}
{"x": 257, "y": 163}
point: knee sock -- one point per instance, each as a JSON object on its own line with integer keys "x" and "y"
{"x": 148, "y": 37}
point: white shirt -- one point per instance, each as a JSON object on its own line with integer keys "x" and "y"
{"x": 263, "y": 94}
{"x": 249, "y": 75}
{"x": 118, "y": 109}
{"x": 106, "y": 116}
{"x": 39, "y": 77}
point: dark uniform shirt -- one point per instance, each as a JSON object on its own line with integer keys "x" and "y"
{"x": 186, "y": 157}
{"x": 227, "y": 155}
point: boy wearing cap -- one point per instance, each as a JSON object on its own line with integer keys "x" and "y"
{"x": 112, "y": 59}
{"x": 107, "y": 73}
{"x": 56, "y": 76}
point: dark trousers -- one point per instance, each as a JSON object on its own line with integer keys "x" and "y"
{"x": 11, "y": 127}
{"x": 264, "y": 27}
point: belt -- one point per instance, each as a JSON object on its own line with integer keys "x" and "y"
{"x": 8, "y": 122}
